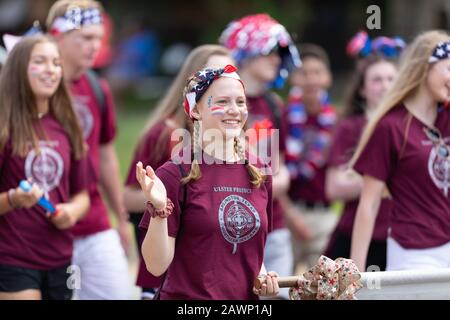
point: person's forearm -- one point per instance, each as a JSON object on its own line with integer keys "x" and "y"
{"x": 80, "y": 204}
{"x": 110, "y": 181}
{"x": 280, "y": 182}
{"x": 343, "y": 186}
{"x": 158, "y": 248}
{"x": 362, "y": 233}
{"x": 134, "y": 199}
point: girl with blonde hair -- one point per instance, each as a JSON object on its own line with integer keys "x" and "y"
{"x": 405, "y": 148}
{"x": 207, "y": 220}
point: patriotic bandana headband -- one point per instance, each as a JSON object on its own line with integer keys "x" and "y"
{"x": 75, "y": 18}
{"x": 205, "y": 78}
{"x": 361, "y": 45}
{"x": 441, "y": 52}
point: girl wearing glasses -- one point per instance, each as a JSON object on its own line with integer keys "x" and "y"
{"x": 405, "y": 148}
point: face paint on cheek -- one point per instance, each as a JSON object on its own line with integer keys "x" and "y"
{"x": 217, "y": 111}
{"x": 35, "y": 71}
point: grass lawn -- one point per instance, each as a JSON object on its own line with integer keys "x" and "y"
{"x": 130, "y": 125}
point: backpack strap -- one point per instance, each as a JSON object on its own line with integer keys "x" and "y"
{"x": 94, "y": 82}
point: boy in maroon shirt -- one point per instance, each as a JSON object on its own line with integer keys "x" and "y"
{"x": 77, "y": 26}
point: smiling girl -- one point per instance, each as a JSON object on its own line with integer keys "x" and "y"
{"x": 40, "y": 140}
{"x": 207, "y": 228}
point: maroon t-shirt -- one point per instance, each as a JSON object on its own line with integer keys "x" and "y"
{"x": 259, "y": 111}
{"x": 220, "y": 233}
{"x": 145, "y": 152}
{"x": 345, "y": 141}
{"x": 28, "y": 239}
{"x": 417, "y": 177}
{"x": 99, "y": 127}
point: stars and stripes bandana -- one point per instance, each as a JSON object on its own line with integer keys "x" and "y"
{"x": 257, "y": 35}
{"x": 441, "y": 52}
{"x": 75, "y": 18}
{"x": 204, "y": 79}
{"x": 361, "y": 46}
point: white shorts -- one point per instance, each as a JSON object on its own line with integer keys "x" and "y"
{"x": 278, "y": 255}
{"x": 399, "y": 258}
{"x": 103, "y": 267}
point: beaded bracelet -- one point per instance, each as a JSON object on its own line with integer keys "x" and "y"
{"x": 162, "y": 213}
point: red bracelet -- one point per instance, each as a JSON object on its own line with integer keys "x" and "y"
{"x": 162, "y": 213}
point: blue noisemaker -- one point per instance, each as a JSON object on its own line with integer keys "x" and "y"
{"x": 43, "y": 202}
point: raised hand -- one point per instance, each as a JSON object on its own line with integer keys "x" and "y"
{"x": 151, "y": 185}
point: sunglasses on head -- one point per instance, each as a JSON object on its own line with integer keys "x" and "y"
{"x": 435, "y": 136}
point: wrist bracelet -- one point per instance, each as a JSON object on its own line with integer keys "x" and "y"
{"x": 162, "y": 213}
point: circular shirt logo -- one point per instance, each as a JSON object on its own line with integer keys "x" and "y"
{"x": 439, "y": 170}
{"x": 238, "y": 219}
{"x": 45, "y": 168}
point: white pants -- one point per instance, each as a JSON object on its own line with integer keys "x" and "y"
{"x": 399, "y": 258}
{"x": 278, "y": 255}
{"x": 103, "y": 267}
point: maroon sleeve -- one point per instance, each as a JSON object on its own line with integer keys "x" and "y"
{"x": 108, "y": 123}
{"x": 379, "y": 156}
{"x": 170, "y": 176}
{"x": 343, "y": 145}
{"x": 82, "y": 175}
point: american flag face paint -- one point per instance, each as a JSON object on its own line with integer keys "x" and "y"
{"x": 35, "y": 70}
{"x": 217, "y": 111}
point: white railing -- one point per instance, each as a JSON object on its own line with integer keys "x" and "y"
{"x": 402, "y": 285}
